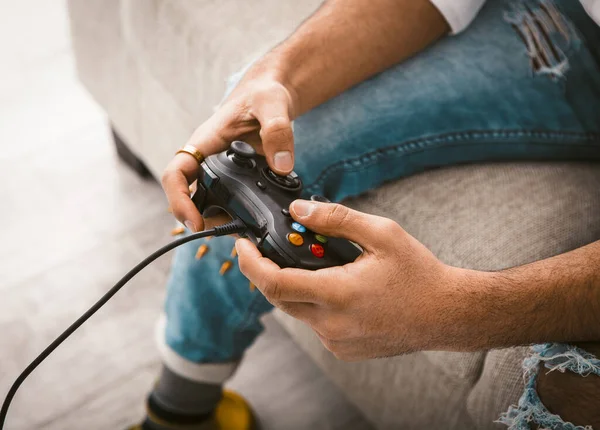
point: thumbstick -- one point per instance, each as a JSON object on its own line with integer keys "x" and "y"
{"x": 290, "y": 182}
{"x": 317, "y": 198}
{"x": 241, "y": 154}
{"x": 242, "y": 150}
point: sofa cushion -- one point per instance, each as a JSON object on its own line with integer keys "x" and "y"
{"x": 486, "y": 217}
{"x": 406, "y": 392}
{"x": 191, "y": 47}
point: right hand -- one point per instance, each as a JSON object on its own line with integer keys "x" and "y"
{"x": 259, "y": 111}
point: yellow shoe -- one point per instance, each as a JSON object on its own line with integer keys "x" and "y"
{"x": 232, "y": 413}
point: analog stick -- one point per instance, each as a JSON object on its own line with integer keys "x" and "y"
{"x": 285, "y": 181}
{"x": 241, "y": 154}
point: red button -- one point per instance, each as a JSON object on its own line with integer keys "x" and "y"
{"x": 317, "y": 250}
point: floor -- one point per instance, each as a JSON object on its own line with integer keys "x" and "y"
{"x": 74, "y": 220}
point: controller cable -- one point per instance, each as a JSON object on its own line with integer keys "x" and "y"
{"x": 233, "y": 227}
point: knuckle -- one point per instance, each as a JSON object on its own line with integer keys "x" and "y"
{"x": 266, "y": 91}
{"x": 329, "y": 344}
{"x": 277, "y": 124}
{"x": 289, "y": 309}
{"x": 387, "y": 224}
{"x": 342, "y": 298}
{"x": 332, "y": 330}
{"x": 347, "y": 298}
{"x": 180, "y": 204}
{"x": 277, "y": 129}
{"x": 166, "y": 177}
{"x": 239, "y": 114}
{"x": 337, "y": 300}
{"x": 272, "y": 289}
{"x": 338, "y": 217}
{"x": 177, "y": 210}
{"x": 341, "y": 351}
{"x": 387, "y": 228}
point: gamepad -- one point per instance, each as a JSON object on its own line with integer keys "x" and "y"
{"x": 239, "y": 182}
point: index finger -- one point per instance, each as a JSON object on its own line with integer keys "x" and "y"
{"x": 289, "y": 284}
{"x": 175, "y": 181}
{"x": 183, "y": 170}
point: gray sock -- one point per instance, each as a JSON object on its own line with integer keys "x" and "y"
{"x": 184, "y": 396}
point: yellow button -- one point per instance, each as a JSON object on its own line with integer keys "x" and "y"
{"x": 295, "y": 239}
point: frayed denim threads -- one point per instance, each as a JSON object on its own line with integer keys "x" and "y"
{"x": 530, "y": 409}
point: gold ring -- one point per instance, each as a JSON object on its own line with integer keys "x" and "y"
{"x": 193, "y": 151}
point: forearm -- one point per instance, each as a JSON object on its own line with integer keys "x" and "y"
{"x": 346, "y": 42}
{"x": 552, "y": 300}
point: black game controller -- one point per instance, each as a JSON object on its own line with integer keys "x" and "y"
{"x": 239, "y": 182}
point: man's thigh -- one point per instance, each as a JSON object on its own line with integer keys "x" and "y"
{"x": 469, "y": 98}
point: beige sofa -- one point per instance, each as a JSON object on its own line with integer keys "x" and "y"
{"x": 158, "y": 67}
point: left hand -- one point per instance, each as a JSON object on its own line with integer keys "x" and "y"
{"x": 397, "y": 297}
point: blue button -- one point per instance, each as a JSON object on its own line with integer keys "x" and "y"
{"x": 298, "y": 227}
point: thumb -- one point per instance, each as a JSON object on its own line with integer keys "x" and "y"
{"x": 276, "y": 134}
{"x": 369, "y": 231}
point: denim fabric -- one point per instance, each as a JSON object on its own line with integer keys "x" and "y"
{"x": 469, "y": 98}
{"x": 554, "y": 357}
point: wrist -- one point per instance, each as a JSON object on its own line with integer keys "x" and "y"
{"x": 466, "y": 316}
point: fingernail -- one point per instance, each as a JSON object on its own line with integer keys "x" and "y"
{"x": 303, "y": 208}
{"x": 191, "y": 226}
{"x": 282, "y": 160}
{"x": 237, "y": 246}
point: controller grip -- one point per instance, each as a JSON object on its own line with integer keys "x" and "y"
{"x": 200, "y": 197}
{"x": 206, "y": 202}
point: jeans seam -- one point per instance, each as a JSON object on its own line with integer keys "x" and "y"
{"x": 463, "y": 137}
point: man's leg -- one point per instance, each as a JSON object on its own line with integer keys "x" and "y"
{"x": 469, "y": 98}
{"x": 562, "y": 389}
{"x": 211, "y": 317}
{"x": 574, "y": 394}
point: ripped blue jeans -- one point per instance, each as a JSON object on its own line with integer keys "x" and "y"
{"x": 522, "y": 83}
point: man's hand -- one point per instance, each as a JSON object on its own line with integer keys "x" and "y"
{"x": 341, "y": 45}
{"x": 391, "y": 300}
{"x": 398, "y": 297}
{"x": 259, "y": 111}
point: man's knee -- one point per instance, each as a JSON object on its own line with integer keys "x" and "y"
{"x": 571, "y": 396}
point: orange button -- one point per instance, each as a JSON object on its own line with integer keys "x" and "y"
{"x": 317, "y": 250}
{"x": 295, "y": 239}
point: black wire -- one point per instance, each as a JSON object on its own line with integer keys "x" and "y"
{"x": 236, "y": 226}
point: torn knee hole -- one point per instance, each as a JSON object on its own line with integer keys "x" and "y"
{"x": 544, "y": 32}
